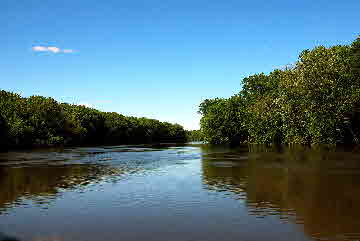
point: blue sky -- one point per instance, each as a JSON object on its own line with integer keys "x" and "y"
{"x": 158, "y": 59}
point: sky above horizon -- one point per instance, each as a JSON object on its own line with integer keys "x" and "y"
{"x": 158, "y": 59}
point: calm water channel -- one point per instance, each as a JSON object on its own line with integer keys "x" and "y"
{"x": 180, "y": 193}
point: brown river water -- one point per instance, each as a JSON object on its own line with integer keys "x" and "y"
{"x": 192, "y": 192}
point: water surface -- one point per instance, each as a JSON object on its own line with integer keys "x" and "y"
{"x": 187, "y": 192}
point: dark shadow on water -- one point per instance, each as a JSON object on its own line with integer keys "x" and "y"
{"x": 4, "y": 237}
{"x": 316, "y": 187}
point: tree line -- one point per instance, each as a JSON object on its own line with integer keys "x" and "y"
{"x": 194, "y": 135}
{"x": 314, "y": 101}
{"x": 42, "y": 121}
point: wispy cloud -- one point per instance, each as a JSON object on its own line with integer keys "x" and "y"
{"x": 68, "y": 51}
{"x": 40, "y": 49}
{"x": 52, "y": 49}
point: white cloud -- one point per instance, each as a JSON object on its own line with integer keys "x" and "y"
{"x": 68, "y": 51}
{"x": 52, "y": 49}
{"x": 39, "y": 49}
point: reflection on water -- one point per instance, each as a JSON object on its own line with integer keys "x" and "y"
{"x": 41, "y": 175}
{"x": 319, "y": 189}
{"x": 193, "y": 192}
{"x": 42, "y": 184}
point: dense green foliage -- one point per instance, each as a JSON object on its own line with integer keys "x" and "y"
{"x": 194, "y": 135}
{"x": 313, "y": 102}
{"x": 222, "y": 118}
{"x": 37, "y": 120}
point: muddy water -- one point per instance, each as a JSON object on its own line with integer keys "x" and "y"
{"x": 177, "y": 193}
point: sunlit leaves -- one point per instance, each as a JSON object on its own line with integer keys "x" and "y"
{"x": 222, "y": 120}
{"x": 43, "y": 121}
{"x": 304, "y": 104}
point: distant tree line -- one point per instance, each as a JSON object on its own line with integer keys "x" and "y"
{"x": 194, "y": 135}
{"x": 314, "y": 101}
{"x": 41, "y": 121}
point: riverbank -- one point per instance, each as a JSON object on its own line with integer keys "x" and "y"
{"x": 316, "y": 100}
{"x": 39, "y": 121}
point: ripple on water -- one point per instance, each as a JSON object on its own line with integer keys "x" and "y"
{"x": 196, "y": 192}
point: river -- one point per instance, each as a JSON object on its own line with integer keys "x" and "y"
{"x": 192, "y": 192}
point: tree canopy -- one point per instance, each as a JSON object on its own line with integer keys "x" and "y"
{"x": 315, "y": 101}
{"x": 37, "y": 120}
